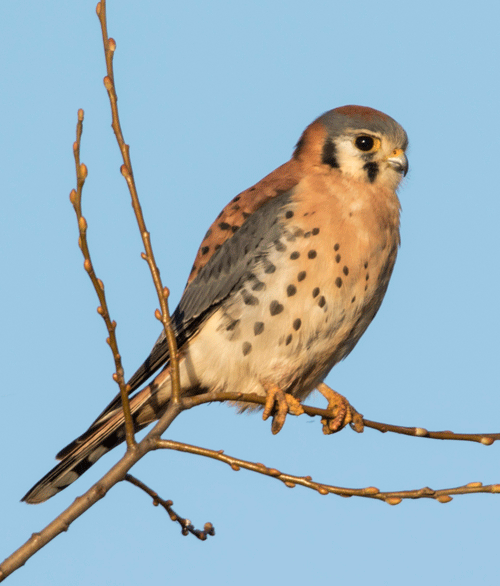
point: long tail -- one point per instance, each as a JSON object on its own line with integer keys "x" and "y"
{"x": 103, "y": 435}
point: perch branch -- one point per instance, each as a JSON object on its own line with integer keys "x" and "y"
{"x": 486, "y": 439}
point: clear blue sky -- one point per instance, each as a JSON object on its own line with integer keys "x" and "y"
{"x": 214, "y": 95}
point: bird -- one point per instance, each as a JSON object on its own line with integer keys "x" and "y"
{"x": 285, "y": 282}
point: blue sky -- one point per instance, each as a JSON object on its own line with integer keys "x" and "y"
{"x": 213, "y": 96}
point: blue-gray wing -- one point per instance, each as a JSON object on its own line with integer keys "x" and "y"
{"x": 224, "y": 272}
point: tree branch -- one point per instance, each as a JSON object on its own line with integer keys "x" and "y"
{"x": 76, "y": 199}
{"x": 290, "y": 480}
{"x": 163, "y": 314}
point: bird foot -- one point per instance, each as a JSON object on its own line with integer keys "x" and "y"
{"x": 279, "y": 403}
{"x": 342, "y": 412}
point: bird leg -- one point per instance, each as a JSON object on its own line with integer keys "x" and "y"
{"x": 279, "y": 403}
{"x": 342, "y": 412}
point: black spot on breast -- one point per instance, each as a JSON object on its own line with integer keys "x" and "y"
{"x": 247, "y": 348}
{"x": 246, "y": 215}
{"x": 301, "y": 276}
{"x": 237, "y": 198}
{"x": 297, "y": 323}
{"x": 315, "y": 231}
{"x": 291, "y": 290}
{"x": 234, "y": 229}
{"x": 288, "y": 339}
{"x": 289, "y": 214}
{"x": 312, "y": 254}
{"x": 371, "y": 171}
{"x": 328, "y": 156}
{"x": 307, "y": 234}
{"x": 232, "y": 325}
{"x": 216, "y": 247}
{"x": 280, "y": 247}
{"x": 258, "y": 327}
{"x": 337, "y": 257}
{"x": 270, "y": 268}
{"x": 258, "y": 286}
{"x": 336, "y": 247}
{"x": 275, "y": 307}
{"x": 366, "y": 265}
{"x": 353, "y": 299}
{"x": 315, "y": 291}
{"x": 345, "y": 270}
{"x": 249, "y": 299}
{"x": 295, "y": 255}
{"x": 338, "y": 282}
{"x": 205, "y": 250}
{"x": 321, "y": 301}
{"x": 224, "y": 226}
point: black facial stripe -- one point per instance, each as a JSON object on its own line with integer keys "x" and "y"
{"x": 328, "y": 156}
{"x": 371, "y": 171}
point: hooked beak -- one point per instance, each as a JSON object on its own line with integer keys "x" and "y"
{"x": 398, "y": 161}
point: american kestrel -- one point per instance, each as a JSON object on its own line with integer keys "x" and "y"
{"x": 285, "y": 282}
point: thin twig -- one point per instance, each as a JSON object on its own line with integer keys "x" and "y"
{"x": 186, "y": 525}
{"x": 290, "y": 480}
{"x": 163, "y": 314}
{"x": 76, "y": 199}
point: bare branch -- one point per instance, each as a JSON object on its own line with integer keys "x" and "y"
{"x": 185, "y": 524}
{"x": 486, "y": 439}
{"x": 88, "y": 499}
{"x": 391, "y": 497}
{"x": 76, "y": 199}
{"x": 163, "y": 314}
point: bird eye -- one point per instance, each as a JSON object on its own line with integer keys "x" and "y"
{"x": 364, "y": 143}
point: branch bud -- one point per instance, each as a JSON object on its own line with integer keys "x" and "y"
{"x": 83, "y": 171}
{"x": 111, "y": 44}
{"x": 393, "y": 500}
{"x": 444, "y": 498}
{"x": 87, "y": 265}
{"x": 80, "y": 114}
{"x": 421, "y": 432}
{"x": 82, "y": 223}
{"x": 108, "y": 83}
{"x": 72, "y": 196}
